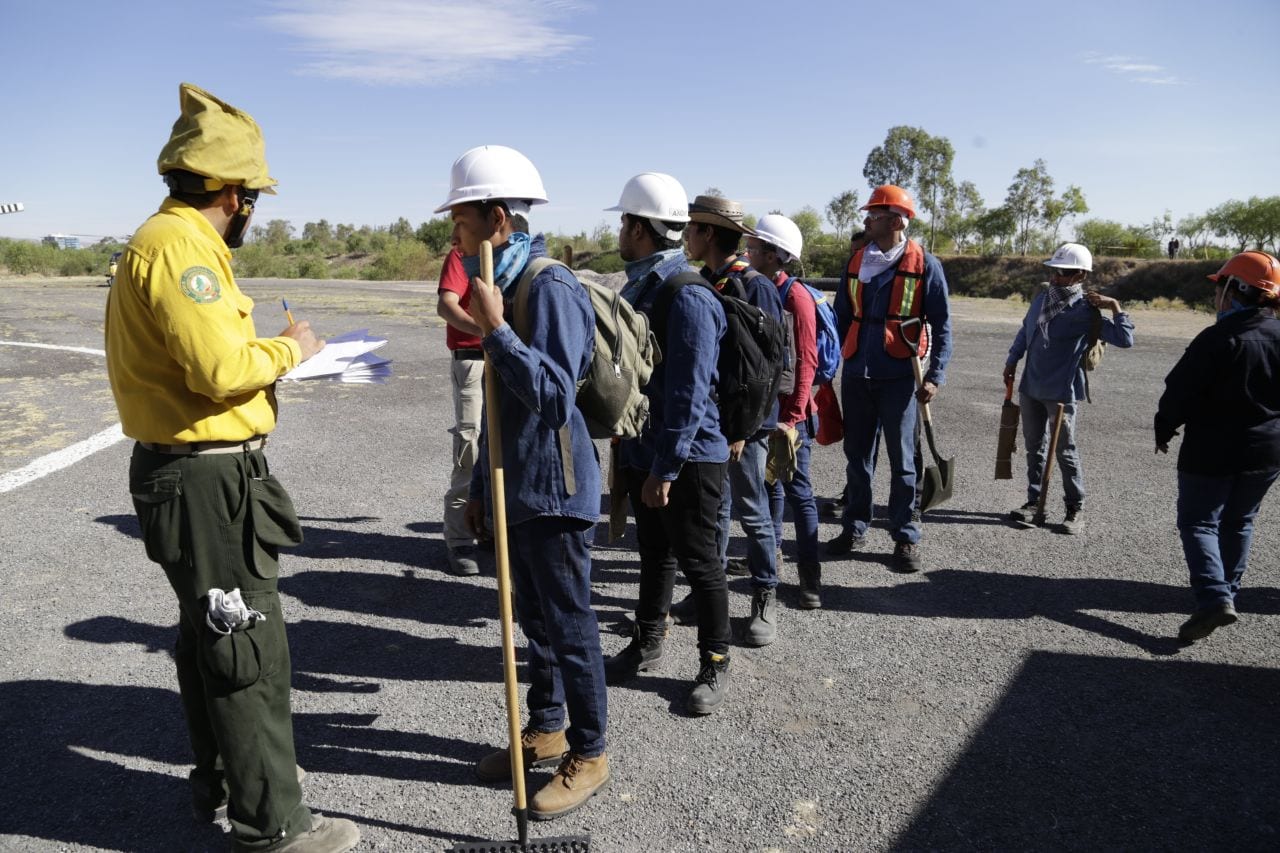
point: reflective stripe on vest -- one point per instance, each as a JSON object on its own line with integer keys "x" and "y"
{"x": 906, "y": 301}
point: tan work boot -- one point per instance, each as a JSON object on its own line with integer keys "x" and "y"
{"x": 541, "y": 749}
{"x": 577, "y": 780}
{"x": 326, "y": 835}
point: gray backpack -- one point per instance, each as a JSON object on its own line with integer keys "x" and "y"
{"x": 626, "y": 352}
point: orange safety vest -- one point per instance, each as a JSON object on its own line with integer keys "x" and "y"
{"x": 906, "y": 302}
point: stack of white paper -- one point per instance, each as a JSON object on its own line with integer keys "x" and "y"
{"x": 345, "y": 358}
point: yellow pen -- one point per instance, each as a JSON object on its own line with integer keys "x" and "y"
{"x": 288, "y": 315}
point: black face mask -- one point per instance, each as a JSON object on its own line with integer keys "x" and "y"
{"x": 234, "y": 235}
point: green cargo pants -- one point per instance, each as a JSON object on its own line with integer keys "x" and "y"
{"x": 217, "y": 520}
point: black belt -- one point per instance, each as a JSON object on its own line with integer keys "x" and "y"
{"x": 468, "y": 355}
{"x": 201, "y": 447}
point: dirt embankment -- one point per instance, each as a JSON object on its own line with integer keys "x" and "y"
{"x": 1128, "y": 279}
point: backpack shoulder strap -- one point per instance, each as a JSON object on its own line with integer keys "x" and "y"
{"x": 1095, "y": 326}
{"x": 520, "y": 303}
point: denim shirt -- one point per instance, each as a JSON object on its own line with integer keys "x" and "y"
{"x": 684, "y": 422}
{"x": 871, "y": 361}
{"x": 1054, "y": 372}
{"x": 755, "y": 288}
{"x": 537, "y": 388}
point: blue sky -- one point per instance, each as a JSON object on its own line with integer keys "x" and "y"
{"x": 366, "y": 104}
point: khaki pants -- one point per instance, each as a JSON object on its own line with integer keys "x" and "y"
{"x": 468, "y": 408}
{"x": 217, "y": 520}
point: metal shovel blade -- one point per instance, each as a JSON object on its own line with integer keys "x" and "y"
{"x": 939, "y": 483}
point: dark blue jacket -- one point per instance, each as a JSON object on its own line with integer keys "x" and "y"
{"x": 537, "y": 396}
{"x": 684, "y": 422}
{"x": 1226, "y": 390}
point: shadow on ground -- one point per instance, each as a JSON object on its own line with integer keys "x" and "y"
{"x": 1089, "y": 753}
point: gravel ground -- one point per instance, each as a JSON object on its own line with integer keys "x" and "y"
{"x": 1024, "y": 692}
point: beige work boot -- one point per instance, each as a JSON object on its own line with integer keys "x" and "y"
{"x": 541, "y": 749}
{"x": 326, "y": 835}
{"x": 577, "y": 780}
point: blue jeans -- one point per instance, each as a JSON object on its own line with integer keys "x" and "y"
{"x": 870, "y": 407}
{"x": 1215, "y": 521}
{"x": 551, "y": 571}
{"x": 746, "y": 488}
{"x": 799, "y": 493}
{"x": 1037, "y": 429}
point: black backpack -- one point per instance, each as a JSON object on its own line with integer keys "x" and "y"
{"x": 751, "y": 356}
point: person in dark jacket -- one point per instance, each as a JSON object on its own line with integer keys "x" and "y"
{"x": 1224, "y": 390}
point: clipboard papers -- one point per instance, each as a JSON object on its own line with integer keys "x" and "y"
{"x": 345, "y": 358}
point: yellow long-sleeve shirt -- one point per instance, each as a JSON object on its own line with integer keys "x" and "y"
{"x": 184, "y": 360}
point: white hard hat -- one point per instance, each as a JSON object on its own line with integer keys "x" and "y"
{"x": 491, "y": 173}
{"x": 1071, "y": 256}
{"x": 656, "y": 197}
{"x": 778, "y": 230}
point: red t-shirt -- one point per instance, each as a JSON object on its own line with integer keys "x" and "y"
{"x": 453, "y": 278}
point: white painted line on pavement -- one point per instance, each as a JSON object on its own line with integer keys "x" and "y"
{"x": 52, "y": 346}
{"x": 68, "y": 455}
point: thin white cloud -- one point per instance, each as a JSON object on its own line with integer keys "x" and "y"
{"x": 1134, "y": 69}
{"x": 422, "y": 42}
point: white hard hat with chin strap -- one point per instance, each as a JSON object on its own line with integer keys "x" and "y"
{"x": 495, "y": 173}
{"x": 658, "y": 198}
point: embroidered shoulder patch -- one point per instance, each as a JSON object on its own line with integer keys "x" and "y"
{"x": 200, "y": 284}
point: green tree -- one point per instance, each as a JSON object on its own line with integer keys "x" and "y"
{"x": 960, "y": 215}
{"x": 842, "y": 211}
{"x": 1056, "y": 210}
{"x": 436, "y": 234}
{"x": 809, "y": 222}
{"x": 996, "y": 228}
{"x": 400, "y": 229}
{"x": 912, "y": 159}
{"x": 276, "y": 232}
{"x": 605, "y": 237}
{"x": 1030, "y": 189}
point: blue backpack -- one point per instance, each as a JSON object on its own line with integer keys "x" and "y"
{"x": 828, "y": 335}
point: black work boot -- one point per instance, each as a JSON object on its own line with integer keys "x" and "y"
{"x": 810, "y": 585}
{"x": 763, "y": 627}
{"x": 711, "y": 685}
{"x": 844, "y": 543}
{"x": 644, "y": 652}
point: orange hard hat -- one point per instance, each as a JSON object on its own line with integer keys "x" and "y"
{"x": 891, "y": 196}
{"x": 1256, "y": 269}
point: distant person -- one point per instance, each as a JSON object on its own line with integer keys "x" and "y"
{"x": 544, "y": 442}
{"x": 195, "y": 387}
{"x": 1174, "y": 245}
{"x": 776, "y": 244}
{"x": 1054, "y": 336}
{"x": 892, "y": 307}
{"x": 675, "y": 470}
{"x": 466, "y": 369}
{"x": 1224, "y": 390}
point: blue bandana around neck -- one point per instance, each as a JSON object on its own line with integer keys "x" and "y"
{"x": 509, "y": 261}
{"x": 1235, "y": 308}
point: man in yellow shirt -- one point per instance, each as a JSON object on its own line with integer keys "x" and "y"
{"x": 194, "y": 385}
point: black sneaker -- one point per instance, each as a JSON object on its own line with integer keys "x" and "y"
{"x": 711, "y": 685}
{"x": 643, "y": 653}
{"x": 833, "y": 508}
{"x": 462, "y": 561}
{"x": 844, "y": 543}
{"x": 1073, "y": 524}
{"x": 1204, "y": 622}
{"x": 1025, "y": 515}
{"x": 810, "y": 586}
{"x": 906, "y": 557}
{"x": 736, "y": 567}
